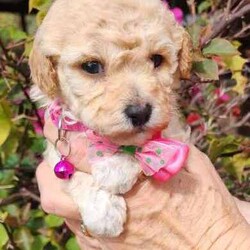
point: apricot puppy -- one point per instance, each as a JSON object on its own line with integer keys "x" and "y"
{"x": 114, "y": 64}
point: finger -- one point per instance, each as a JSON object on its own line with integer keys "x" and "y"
{"x": 75, "y": 227}
{"x": 198, "y": 162}
{"x": 53, "y": 199}
{"x": 83, "y": 241}
{"x": 244, "y": 208}
{"x": 200, "y": 168}
{"x": 78, "y": 145}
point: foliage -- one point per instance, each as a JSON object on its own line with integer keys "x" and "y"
{"x": 23, "y": 224}
{"x": 212, "y": 100}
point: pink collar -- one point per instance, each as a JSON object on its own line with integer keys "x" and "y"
{"x": 69, "y": 122}
{"x": 159, "y": 157}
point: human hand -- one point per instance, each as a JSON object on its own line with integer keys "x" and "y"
{"x": 191, "y": 211}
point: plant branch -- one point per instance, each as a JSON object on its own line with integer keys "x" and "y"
{"x": 229, "y": 5}
{"x": 11, "y": 62}
{"x": 33, "y": 105}
{"x": 192, "y": 8}
{"x": 240, "y": 4}
{"x": 222, "y": 25}
{"x": 241, "y": 32}
{"x": 24, "y": 193}
{"x": 5, "y": 52}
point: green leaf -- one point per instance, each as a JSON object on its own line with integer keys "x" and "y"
{"x": 235, "y": 165}
{"x": 53, "y": 221}
{"x": 3, "y": 216}
{"x": 28, "y": 47}
{"x": 23, "y": 238}
{"x": 5, "y": 123}
{"x": 3, "y": 236}
{"x": 36, "y": 213}
{"x": 195, "y": 33}
{"x": 241, "y": 83}
{"x": 220, "y": 47}
{"x": 229, "y": 183}
{"x": 13, "y": 210}
{"x": 4, "y": 193}
{"x": 38, "y": 145}
{"x": 236, "y": 44}
{"x": 204, "y": 6}
{"x": 72, "y": 244}
{"x": 11, "y": 34}
{"x": 17, "y": 35}
{"x": 10, "y": 145}
{"x": 42, "y": 6}
{"x": 234, "y": 63}
{"x": 54, "y": 245}
{"x": 6, "y": 177}
{"x": 206, "y": 69}
{"x": 12, "y": 161}
{"x": 221, "y": 146}
{"x": 40, "y": 242}
{"x": 40, "y": 16}
{"x": 37, "y": 4}
{"x": 35, "y": 223}
{"x": 4, "y": 87}
{"x": 28, "y": 162}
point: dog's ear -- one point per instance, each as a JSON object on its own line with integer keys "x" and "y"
{"x": 43, "y": 72}
{"x": 185, "y": 55}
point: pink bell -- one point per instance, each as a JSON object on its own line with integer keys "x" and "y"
{"x": 64, "y": 169}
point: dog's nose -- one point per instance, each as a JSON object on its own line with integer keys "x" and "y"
{"x": 138, "y": 114}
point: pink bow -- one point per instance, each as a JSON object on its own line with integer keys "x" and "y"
{"x": 160, "y": 157}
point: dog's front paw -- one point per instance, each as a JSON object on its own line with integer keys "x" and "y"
{"x": 104, "y": 214}
{"x": 117, "y": 174}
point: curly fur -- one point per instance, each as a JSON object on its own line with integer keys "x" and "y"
{"x": 123, "y": 35}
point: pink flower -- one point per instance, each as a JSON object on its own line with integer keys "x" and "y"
{"x": 236, "y": 111}
{"x": 194, "y": 91}
{"x": 222, "y": 97}
{"x": 193, "y": 118}
{"x": 178, "y": 13}
{"x": 196, "y": 121}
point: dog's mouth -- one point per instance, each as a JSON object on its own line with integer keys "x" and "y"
{"x": 137, "y": 136}
{"x": 141, "y": 129}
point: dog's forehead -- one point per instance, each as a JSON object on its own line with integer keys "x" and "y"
{"x": 126, "y": 23}
{"x": 133, "y": 34}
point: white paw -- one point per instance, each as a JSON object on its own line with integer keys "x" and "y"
{"x": 104, "y": 214}
{"x": 116, "y": 174}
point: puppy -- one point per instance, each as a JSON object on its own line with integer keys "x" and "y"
{"x": 114, "y": 64}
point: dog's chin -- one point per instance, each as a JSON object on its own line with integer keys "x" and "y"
{"x": 136, "y": 137}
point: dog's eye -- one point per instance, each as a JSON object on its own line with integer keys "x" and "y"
{"x": 157, "y": 60}
{"x": 92, "y": 67}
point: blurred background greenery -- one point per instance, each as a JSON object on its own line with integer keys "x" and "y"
{"x": 215, "y": 103}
